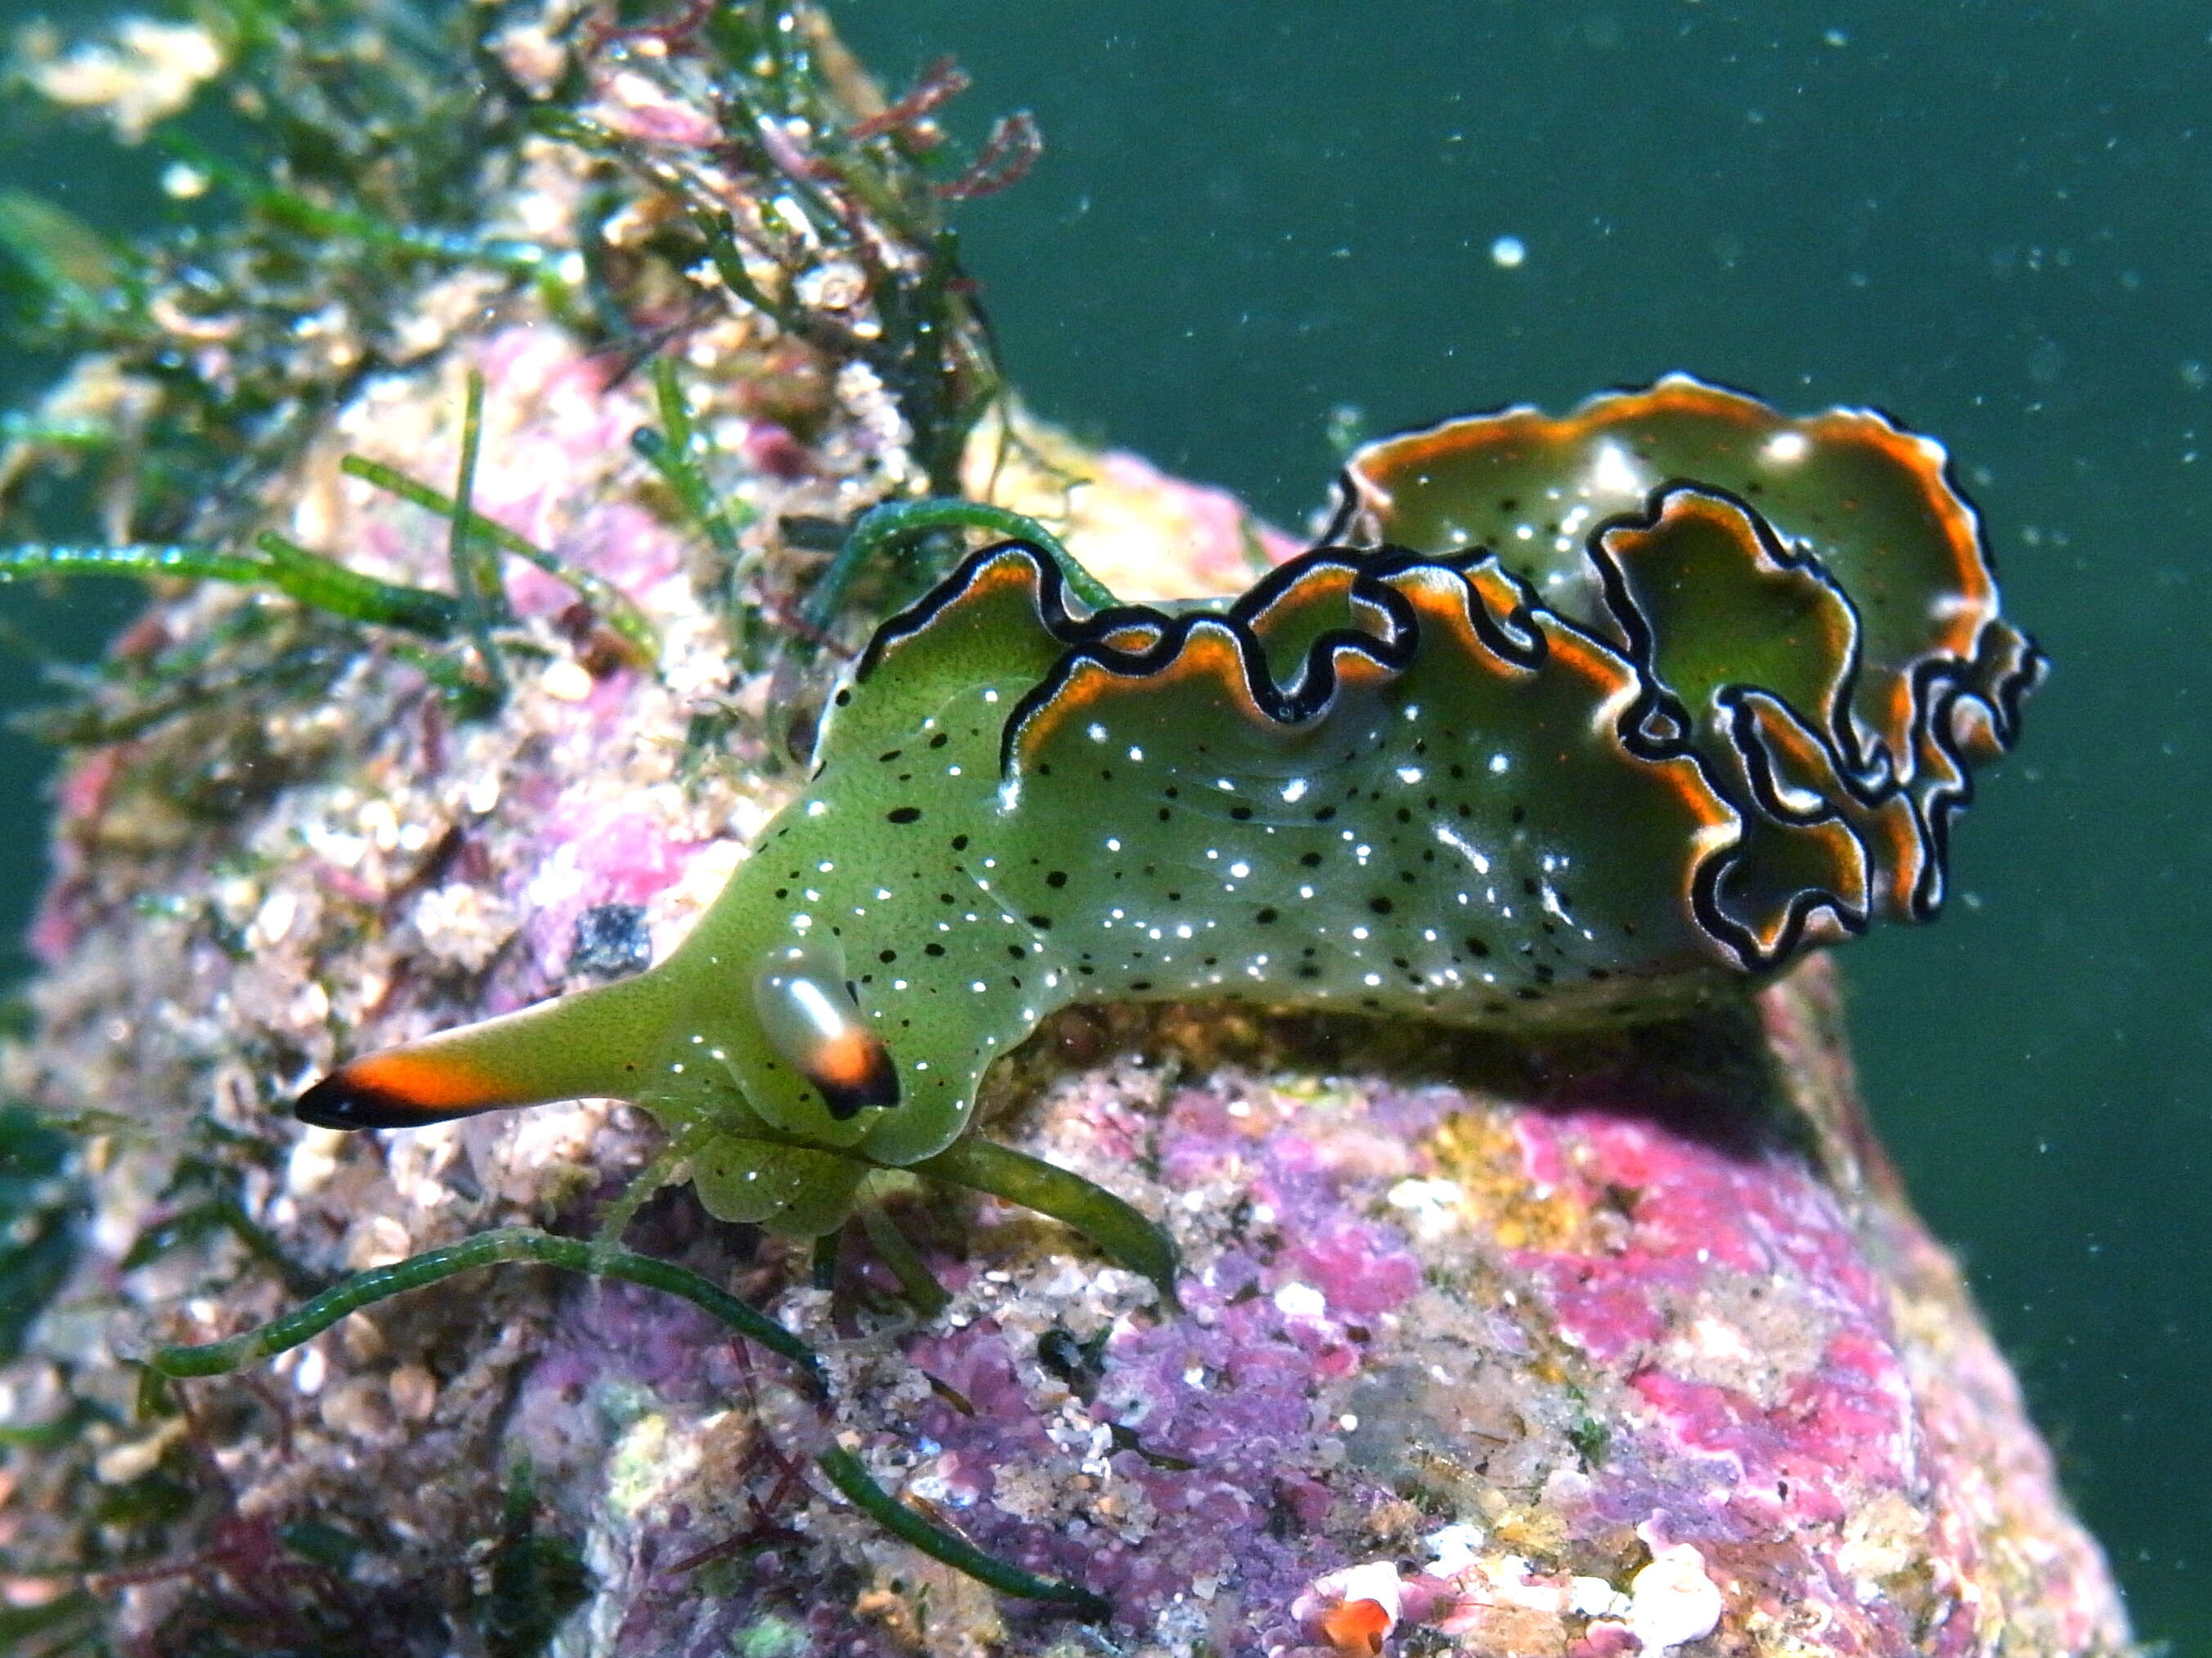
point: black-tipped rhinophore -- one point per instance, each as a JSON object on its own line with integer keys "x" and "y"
{"x": 340, "y": 1101}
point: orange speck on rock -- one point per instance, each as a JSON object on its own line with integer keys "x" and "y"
{"x": 1357, "y": 1627}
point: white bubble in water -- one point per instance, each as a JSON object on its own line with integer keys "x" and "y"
{"x": 1508, "y": 251}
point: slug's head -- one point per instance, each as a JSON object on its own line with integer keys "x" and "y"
{"x": 808, "y": 1017}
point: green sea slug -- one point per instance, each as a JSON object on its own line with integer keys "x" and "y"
{"x": 1569, "y": 723}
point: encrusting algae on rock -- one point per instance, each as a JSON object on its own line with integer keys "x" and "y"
{"x": 1617, "y": 1341}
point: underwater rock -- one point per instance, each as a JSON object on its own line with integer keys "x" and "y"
{"x": 1577, "y": 1347}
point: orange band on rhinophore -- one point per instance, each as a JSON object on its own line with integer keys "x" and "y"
{"x": 847, "y": 1061}
{"x": 852, "y": 1071}
{"x": 432, "y": 1082}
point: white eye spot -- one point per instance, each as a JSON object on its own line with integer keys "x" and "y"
{"x": 1499, "y": 764}
{"x": 1095, "y": 731}
{"x": 1784, "y": 447}
{"x": 1305, "y": 892}
{"x": 1359, "y": 933}
{"x": 881, "y": 892}
{"x": 1240, "y": 869}
{"x": 812, "y": 896}
{"x": 1371, "y": 979}
{"x": 824, "y": 867}
{"x": 1136, "y": 754}
{"x": 1224, "y": 786}
{"x": 990, "y": 696}
{"x": 1413, "y": 711}
{"x": 1183, "y": 930}
{"x": 1409, "y": 774}
{"x": 1294, "y": 790}
{"x": 952, "y": 771}
{"x": 979, "y": 986}
{"x": 898, "y": 984}
{"x": 817, "y": 809}
{"x": 921, "y": 1064}
{"x": 802, "y": 922}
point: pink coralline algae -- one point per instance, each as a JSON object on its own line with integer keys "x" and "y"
{"x": 1618, "y": 1366}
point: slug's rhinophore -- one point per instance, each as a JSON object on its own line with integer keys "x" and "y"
{"x": 1575, "y": 722}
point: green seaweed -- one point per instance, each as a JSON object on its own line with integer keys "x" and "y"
{"x": 536, "y": 1577}
{"x": 506, "y": 1243}
{"x": 336, "y": 197}
{"x": 529, "y": 1585}
{"x": 615, "y": 607}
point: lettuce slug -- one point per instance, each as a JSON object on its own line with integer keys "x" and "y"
{"x": 1568, "y": 722}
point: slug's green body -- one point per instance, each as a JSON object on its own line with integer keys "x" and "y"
{"x": 1613, "y": 714}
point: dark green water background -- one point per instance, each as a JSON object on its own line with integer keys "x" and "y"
{"x": 1993, "y": 220}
